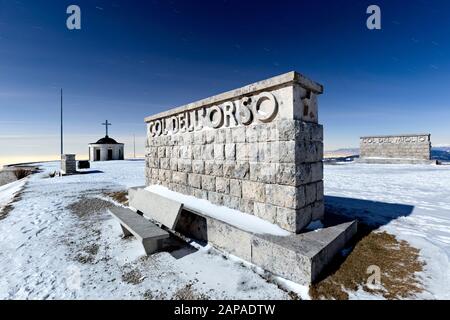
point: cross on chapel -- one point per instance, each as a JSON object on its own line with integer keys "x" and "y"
{"x": 106, "y": 124}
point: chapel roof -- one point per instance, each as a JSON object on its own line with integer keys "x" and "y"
{"x": 106, "y": 140}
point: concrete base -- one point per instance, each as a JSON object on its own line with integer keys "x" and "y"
{"x": 297, "y": 257}
{"x": 394, "y": 161}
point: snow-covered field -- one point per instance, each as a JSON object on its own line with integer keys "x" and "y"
{"x": 49, "y": 252}
{"x": 409, "y": 201}
{"x": 42, "y": 245}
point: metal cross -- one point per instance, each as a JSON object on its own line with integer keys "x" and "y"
{"x": 106, "y": 124}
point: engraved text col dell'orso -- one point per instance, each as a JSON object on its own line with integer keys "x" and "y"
{"x": 262, "y": 108}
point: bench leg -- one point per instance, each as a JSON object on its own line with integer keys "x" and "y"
{"x": 151, "y": 245}
{"x": 125, "y": 231}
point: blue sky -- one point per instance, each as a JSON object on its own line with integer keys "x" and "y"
{"x": 135, "y": 58}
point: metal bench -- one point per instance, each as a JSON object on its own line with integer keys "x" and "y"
{"x": 149, "y": 234}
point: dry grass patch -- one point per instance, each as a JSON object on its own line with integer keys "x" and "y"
{"x": 397, "y": 260}
{"x": 88, "y": 206}
{"x": 119, "y": 196}
{"x": 187, "y": 293}
{"x": 21, "y": 173}
{"x": 133, "y": 277}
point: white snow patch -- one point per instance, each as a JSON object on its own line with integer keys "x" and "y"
{"x": 8, "y": 191}
{"x": 41, "y": 240}
{"x": 411, "y": 202}
{"x": 233, "y": 217}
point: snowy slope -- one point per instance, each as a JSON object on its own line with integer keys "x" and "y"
{"x": 44, "y": 246}
{"x": 409, "y": 201}
{"x": 8, "y": 191}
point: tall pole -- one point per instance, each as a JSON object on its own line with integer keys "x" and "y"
{"x": 134, "y": 146}
{"x": 62, "y": 141}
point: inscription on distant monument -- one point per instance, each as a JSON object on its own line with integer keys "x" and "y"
{"x": 257, "y": 149}
{"x": 401, "y": 147}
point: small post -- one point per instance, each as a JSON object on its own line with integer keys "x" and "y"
{"x": 61, "y": 111}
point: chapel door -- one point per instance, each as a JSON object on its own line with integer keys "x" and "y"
{"x": 97, "y": 154}
{"x": 110, "y": 157}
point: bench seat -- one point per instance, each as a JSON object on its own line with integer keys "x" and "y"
{"x": 149, "y": 234}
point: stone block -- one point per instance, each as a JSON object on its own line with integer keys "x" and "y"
{"x": 201, "y": 194}
{"x": 179, "y": 177}
{"x": 317, "y": 210}
{"x": 285, "y": 150}
{"x": 316, "y": 171}
{"x": 220, "y": 136}
{"x": 185, "y": 165}
{"x": 232, "y": 202}
{"x": 242, "y": 152}
{"x": 246, "y": 205}
{"x": 161, "y": 152}
{"x": 198, "y": 166}
{"x": 209, "y": 183}
{"x": 319, "y": 191}
{"x": 197, "y": 152}
{"x": 285, "y": 196}
{"x": 253, "y": 191}
{"x": 223, "y": 185}
{"x": 310, "y": 193}
{"x": 199, "y": 137}
{"x": 263, "y": 172}
{"x": 208, "y": 152}
{"x": 209, "y": 136}
{"x": 195, "y": 180}
{"x": 265, "y": 211}
{"x": 214, "y": 168}
{"x": 236, "y": 188}
{"x": 219, "y": 151}
{"x": 241, "y": 170}
{"x": 238, "y": 134}
{"x": 251, "y": 134}
{"x": 226, "y": 237}
{"x": 228, "y": 169}
{"x": 230, "y": 151}
{"x": 173, "y": 164}
{"x": 215, "y": 198}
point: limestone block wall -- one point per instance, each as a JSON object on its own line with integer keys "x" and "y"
{"x": 407, "y": 146}
{"x": 257, "y": 149}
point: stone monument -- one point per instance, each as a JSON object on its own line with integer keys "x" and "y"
{"x": 68, "y": 164}
{"x": 257, "y": 149}
{"x": 404, "y": 148}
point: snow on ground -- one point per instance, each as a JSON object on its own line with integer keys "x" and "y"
{"x": 8, "y": 191}
{"x": 409, "y": 201}
{"x": 49, "y": 252}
